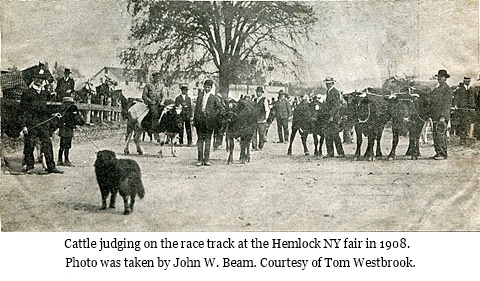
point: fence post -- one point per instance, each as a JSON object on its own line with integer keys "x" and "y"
{"x": 88, "y": 112}
{"x": 109, "y": 113}
{"x": 101, "y": 111}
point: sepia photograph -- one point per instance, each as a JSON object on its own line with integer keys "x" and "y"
{"x": 240, "y": 116}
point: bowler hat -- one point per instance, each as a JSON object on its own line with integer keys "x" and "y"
{"x": 259, "y": 89}
{"x": 329, "y": 80}
{"x": 467, "y": 78}
{"x": 67, "y": 70}
{"x": 281, "y": 92}
{"x": 443, "y": 73}
{"x": 208, "y": 82}
{"x": 183, "y": 86}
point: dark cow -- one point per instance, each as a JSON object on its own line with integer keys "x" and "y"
{"x": 168, "y": 126}
{"x": 368, "y": 111}
{"x": 307, "y": 119}
{"x": 11, "y": 110}
{"x": 240, "y": 123}
{"x": 409, "y": 111}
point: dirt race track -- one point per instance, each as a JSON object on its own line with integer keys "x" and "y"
{"x": 274, "y": 192}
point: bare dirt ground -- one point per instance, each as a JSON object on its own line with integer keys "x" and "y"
{"x": 274, "y": 192}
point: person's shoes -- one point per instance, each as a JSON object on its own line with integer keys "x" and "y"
{"x": 328, "y": 156}
{"x": 199, "y": 164}
{"x": 435, "y": 156}
{"x": 440, "y": 157}
{"x": 189, "y": 144}
{"x": 54, "y": 171}
{"x": 60, "y": 163}
{"x": 29, "y": 171}
{"x": 207, "y": 164}
{"x": 68, "y": 163}
{"x": 285, "y": 142}
{"x": 279, "y": 142}
{"x": 341, "y": 156}
{"x": 180, "y": 144}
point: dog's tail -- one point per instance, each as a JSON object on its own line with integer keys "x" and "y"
{"x": 139, "y": 187}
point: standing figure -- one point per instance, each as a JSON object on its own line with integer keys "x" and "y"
{"x": 440, "y": 114}
{"x": 65, "y": 85}
{"x": 186, "y": 102}
{"x": 283, "y": 112}
{"x": 208, "y": 111}
{"x": 153, "y": 97}
{"x": 333, "y": 104}
{"x": 35, "y": 124}
{"x": 262, "y": 110}
{"x": 66, "y": 131}
{"x": 464, "y": 103}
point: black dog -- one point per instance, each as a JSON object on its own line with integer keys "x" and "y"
{"x": 118, "y": 175}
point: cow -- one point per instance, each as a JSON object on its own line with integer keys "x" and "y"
{"x": 409, "y": 109}
{"x": 11, "y": 111}
{"x": 240, "y": 122}
{"x": 368, "y": 111}
{"x": 309, "y": 118}
{"x": 168, "y": 126}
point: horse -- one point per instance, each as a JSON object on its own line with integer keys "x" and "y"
{"x": 168, "y": 125}
{"x": 240, "y": 123}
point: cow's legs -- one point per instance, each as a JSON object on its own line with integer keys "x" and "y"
{"x": 391, "y": 155}
{"x": 378, "y": 138}
{"x": 136, "y": 138}
{"x": 113, "y": 196}
{"x": 359, "y": 133}
{"x": 230, "y": 145}
{"x": 369, "y": 153}
{"x": 292, "y": 138}
{"x": 126, "y": 150}
{"x": 172, "y": 146}
{"x": 304, "y": 136}
{"x": 315, "y": 143}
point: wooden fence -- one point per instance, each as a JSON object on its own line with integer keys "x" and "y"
{"x": 101, "y": 112}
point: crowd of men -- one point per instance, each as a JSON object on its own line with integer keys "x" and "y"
{"x": 210, "y": 106}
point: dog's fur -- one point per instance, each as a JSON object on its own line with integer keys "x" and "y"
{"x": 118, "y": 175}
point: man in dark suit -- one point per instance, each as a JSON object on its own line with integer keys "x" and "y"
{"x": 464, "y": 103}
{"x": 65, "y": 85}
{"x": 333, "y": 104}
{"x": 208, "y": 113}
{"x": 440, "y": 114}
{"x": 186, "y": 102}
{"x": 35, "y": 118}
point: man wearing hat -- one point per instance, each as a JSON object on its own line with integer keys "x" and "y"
{"x": 283, "y": 112}
{"x": 186, "y": 102}
{"x": 262, "y": 110}
{"x": 464, "y": 103}
{"x": 440, "y": 114}
{"x": 208, "y": 113}
{"x": 65, "y": 85}
{"x": 152, "y": 96}
{"x": 34, "y": 117}
{"x": 333, "y": 104}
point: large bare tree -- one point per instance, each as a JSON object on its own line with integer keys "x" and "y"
{"x": 225, "y": 36}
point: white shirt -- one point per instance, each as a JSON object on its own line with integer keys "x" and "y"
{"x": 204, "y": 101}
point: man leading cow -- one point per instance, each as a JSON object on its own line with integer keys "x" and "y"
{"x": 35, "y": 118}
{"x": 440, "y": 114}
{"x": 333, "y": 104}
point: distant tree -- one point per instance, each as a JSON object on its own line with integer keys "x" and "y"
{"x": 223, "y": 35}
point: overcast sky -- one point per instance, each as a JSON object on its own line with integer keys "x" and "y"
{"x": 355, "y": 39}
